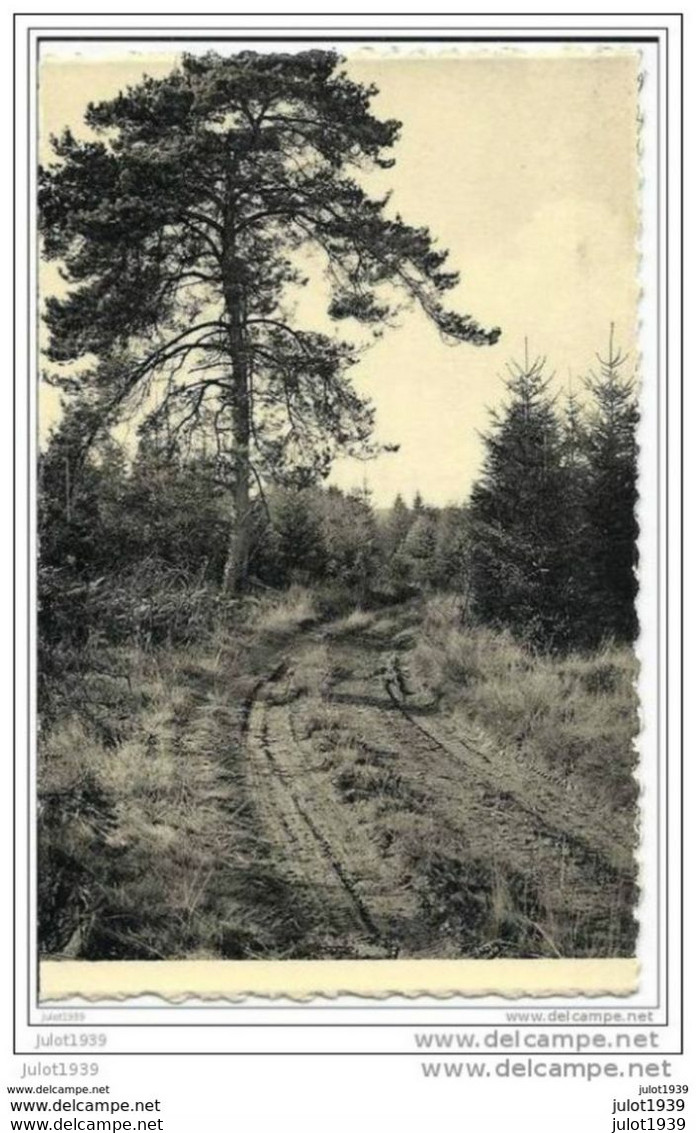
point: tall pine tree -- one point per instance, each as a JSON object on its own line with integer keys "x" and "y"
{"x": 182, "y": 227}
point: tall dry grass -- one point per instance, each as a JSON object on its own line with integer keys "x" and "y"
{"x": 577, "y": 715}
{"x": 149, "y": 846}
{"x": 283, "y": 613}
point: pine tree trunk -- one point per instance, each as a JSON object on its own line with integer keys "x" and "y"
{"x": 237, "y": 565}
{"x": 236, "y": 573}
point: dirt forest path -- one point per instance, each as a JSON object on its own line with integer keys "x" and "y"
{"x": 332, "y": 860}
{"x": 366, "y": 801}
{"x": 306, "y": 824}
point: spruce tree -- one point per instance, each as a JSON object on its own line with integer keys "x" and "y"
{"x": 174, "y": 510}
{"x": 396, "y": 526}
{"x": 611, "y": 499}
{"x": 419, "y": 548}
{"x": 519, "y": 566}
{"x": 352, "y": 542}
{"x": 452, "y": 551}
{"x": 574, "y": 441}
{"x": 299, "y": 550}
{"x": 80, "y": 498}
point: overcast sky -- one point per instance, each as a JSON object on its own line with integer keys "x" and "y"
{"x": 525, "y": 167}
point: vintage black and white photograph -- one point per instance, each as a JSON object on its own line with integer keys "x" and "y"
{"x": 338, "y": 502}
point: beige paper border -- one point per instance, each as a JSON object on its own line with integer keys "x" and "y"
{"x": 305, "y": 979}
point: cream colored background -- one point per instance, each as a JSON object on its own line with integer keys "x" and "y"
{"x": 526, "y": 168}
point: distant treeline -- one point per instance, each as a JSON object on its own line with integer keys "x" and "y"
{"x": 173, "y": 510}
{"x": 546, "y": 546}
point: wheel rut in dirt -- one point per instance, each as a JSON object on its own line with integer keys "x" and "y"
{"x": 517, "y": 815}
{"x": 289, "y": 825}
{"x": 356, "y": 792}
{"x": 331, "y": 860}
{"x": 481, "y": 764}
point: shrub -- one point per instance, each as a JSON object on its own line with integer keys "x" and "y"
{"x": 148, "y": 604}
